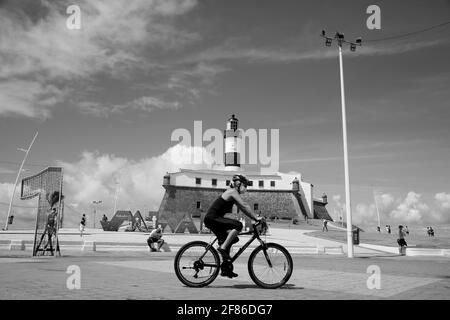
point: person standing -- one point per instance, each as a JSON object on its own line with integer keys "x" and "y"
{"x": 82, "y": 224}
{"x": 401, "y": 241}
{"x": 324, "y": 227}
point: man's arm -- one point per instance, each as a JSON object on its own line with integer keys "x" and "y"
{"x": 243, "y": 205}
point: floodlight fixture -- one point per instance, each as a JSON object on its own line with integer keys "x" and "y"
{"x": 328, "y": 42}
{"x": 339, "y": 36}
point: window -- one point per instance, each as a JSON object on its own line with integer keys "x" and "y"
{"x": 261, "y": 183}
{"x": 214, "y": 182}
{"x": 255, "y": 207}
{"x": 198, "y": 181}
{"x": 250, "y": 183}
{"x": 198, "y": 204}
{"x": 272, "y": 183}
{"x": 227, "y": 182}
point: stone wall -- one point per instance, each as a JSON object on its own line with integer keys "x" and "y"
{"x": 180, "y": 203}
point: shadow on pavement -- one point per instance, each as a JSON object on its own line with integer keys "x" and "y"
{"x": 254, "y": 286}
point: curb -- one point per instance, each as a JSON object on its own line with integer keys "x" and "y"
{"x": 21, "y": 245}
{"x": 411, "y": 252}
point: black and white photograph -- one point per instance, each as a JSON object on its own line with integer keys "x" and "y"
{"x": 228, "y": 158}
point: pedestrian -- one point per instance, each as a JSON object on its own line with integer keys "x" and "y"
{"x": 51, "y": 223}
{"x": 82, "y": 224}
{"x": 104, "y": 218}
{"x": 378, "y": 229}
{"x": 51, "y": 219}
{"x": 401, "y": 241}
{"x": 431, "y": 232}
{"x": 324, "y": 227}
{"x": 155, "y": 238}
{"x": 389, "y": 229}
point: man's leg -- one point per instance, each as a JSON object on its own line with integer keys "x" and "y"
{"x": 232, "y": 234}
{"x": 160, "y": 244}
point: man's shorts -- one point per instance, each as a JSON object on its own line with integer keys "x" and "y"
{"x": 221, "y": 225}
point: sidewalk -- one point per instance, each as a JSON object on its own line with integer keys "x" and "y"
{"x": 295, "y": 240}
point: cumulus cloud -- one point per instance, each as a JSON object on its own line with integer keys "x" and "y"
{"x": 412, "y": 210}
{"x": 98, "y": 176}
{"x": 138, "y": 183}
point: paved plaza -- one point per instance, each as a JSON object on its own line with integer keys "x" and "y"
{"x": 129, "y": 271}
{"x": 137, "y": 275}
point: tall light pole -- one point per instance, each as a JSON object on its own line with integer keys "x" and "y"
{"x": 17, "y": 178}
{"x": 95, "y": 203}
{"x": 339, "y": 37}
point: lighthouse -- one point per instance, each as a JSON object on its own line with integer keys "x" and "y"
{"x": 232, "y": 138}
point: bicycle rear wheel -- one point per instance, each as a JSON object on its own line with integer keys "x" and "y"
{"x": 195, "y": 266}
{"x": 270, "y": 267}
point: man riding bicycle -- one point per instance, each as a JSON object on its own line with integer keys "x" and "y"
{"x": 227, "y": 229}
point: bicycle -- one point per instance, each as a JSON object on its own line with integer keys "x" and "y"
{"x": 197, "y": 263}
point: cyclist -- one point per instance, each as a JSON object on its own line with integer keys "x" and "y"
{"x": 227, "y": 229}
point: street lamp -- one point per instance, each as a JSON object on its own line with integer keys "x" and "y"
{"x": 95, "y": 203}
{"x": 17, "y": 179}
{"x": 339, "y": 37}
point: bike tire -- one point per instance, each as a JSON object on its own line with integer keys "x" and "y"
{"x": 286, "y": 263}
{"x": 200, "y": 247}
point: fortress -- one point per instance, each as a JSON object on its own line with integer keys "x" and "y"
{"x": 189, "y": 193}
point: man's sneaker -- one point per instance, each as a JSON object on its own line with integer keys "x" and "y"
{"x": 225, "y": 255}
{"x": 227, "y": 270}
{"x": 229, "y": 274}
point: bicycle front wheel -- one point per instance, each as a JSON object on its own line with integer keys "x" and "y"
{"x": 270, "y": 267}
{"x": 195, "y": 265}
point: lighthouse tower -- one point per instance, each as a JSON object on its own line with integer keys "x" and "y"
{"x": 232, "y": 143}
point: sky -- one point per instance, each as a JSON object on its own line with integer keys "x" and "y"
{"x": 106, "y": 98}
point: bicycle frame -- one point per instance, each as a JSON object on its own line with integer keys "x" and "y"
{"x": 241, "y": 249}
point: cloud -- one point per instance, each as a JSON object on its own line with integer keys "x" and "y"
{"x": 410, "y": 210}
{"x": 29, "y": 98}
{"x": 144, "y": 104}
{"x": 114, "y": 40}
{"x": 443, "y": 200}
{"x": 96, "y": 177}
